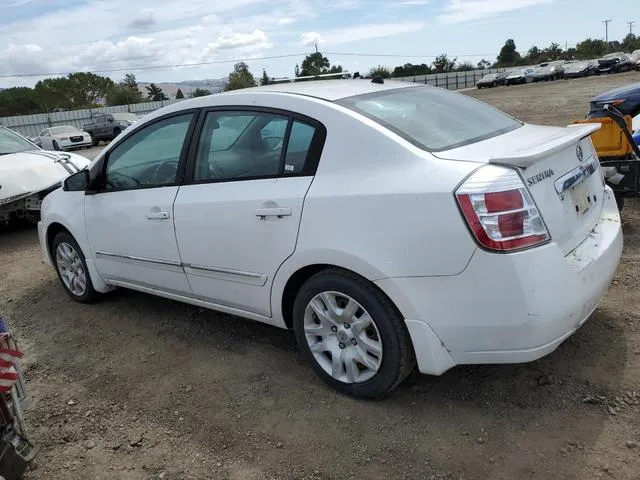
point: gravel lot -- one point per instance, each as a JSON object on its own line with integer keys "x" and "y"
{"x": 138, "y": 387}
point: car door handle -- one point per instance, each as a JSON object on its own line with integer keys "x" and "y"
{"x": 273, "y": 212}
{"x": 157, "y": 215}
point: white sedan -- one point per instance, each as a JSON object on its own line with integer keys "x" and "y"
{"x": 63, "y": 138}
{"x": 392, "y": 226}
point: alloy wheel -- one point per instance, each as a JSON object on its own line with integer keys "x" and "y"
{"x": 71, "y": 269}
{"x": 343, "y": 337}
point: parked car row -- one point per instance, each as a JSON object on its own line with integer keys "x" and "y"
{"x": 610, "y": 63}
{"x": 104, "y": 126}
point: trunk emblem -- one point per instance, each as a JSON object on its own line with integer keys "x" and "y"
{"x": 579, "y": 153}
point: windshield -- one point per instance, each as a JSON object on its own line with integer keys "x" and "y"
{"x": 130, "y": 117}
{"x": 12, "y": 143}
{"x": 491, "y": 76}
{"x": 432, "y": 118}
{"x": 56, "y": 130}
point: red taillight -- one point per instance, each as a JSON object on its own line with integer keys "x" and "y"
{"x": 499, "y": 210}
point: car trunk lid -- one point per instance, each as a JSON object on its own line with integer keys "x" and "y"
{"x": 560, "y": 168}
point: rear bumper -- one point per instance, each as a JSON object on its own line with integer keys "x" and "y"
{"x": 512, "y": 308}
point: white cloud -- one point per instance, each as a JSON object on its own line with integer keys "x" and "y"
{"x": 256, "y": 38}
{"x": 286, "y": 21}
{"x": 311, "y": 38}
{"x": 361, "y": 32}
{"x": 464, "y": 10}
{"x": 411, "y": 3}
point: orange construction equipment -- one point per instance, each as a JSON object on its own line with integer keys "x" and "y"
{"x": 610, "y": 141}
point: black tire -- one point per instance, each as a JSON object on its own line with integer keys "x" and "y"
{"x": 398, "y": 358}
{"x": 94, "y": 140}
{"x": 89, "y": 295}
{"x": 56, "y": 146}
{"x": 619, "y": 202}
{"x": 116, "y": 132}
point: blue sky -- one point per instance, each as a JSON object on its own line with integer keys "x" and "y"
{"x": 42, "y": 36}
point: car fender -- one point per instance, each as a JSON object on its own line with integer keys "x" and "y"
{"x": 306, "y": 258}
{"x": 67, "y": 209}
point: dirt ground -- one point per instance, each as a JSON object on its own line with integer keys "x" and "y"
{"x": 138, "y": 387}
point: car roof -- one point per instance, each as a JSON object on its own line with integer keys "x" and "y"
{"x": 330, "y": 90}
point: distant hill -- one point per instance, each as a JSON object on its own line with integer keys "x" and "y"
{"x": 187, "y": 87}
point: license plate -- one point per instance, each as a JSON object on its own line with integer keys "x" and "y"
{"x": 580, "y": 197}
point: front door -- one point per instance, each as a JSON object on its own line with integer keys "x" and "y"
{"x": 129, "y": 222}
{"x": 238, "y": 220}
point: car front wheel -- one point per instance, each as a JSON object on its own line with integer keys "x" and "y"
{"x": 352, "y": 335}
{"x": 72, "y": 269}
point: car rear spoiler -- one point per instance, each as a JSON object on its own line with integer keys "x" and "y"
{"x": 527, "y": 155}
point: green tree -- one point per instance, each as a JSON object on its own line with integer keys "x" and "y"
{"x": 410, "y": 70}
{"x": 19, "y": 101}
{"x": 88, "y": 87}
{"x": 241, "y": 77}
{"x": 380, "y": 71}
{"x": 464, "y": 67}
{"x": 483, "y": 64}
{"x": 317, "y": 64}
{"x": 591, "y": 48}
{"x": 630, "y": 43}
{"x": 179, "y": 95}
{"x": 126, "y": 92}
{"x": 77, "y": 90}
{"x": 508, "y": 56}
{"x": 442, "y": 63}
{"x": 54, "y": 93}
{"x": 155, "y": 93}
{"x": 201, "y": 92}
{"x": 264, "y": 80}
{"x": 552, "y": 52}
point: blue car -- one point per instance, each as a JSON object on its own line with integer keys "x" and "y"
{"x": 626, "y": 100}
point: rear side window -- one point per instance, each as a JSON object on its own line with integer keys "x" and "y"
{"x": 432, "y": 118}
{"x": 247, "y": 145}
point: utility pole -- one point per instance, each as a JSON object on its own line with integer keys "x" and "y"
{"x": 316, "y": 45}
{"x": 606, "y": 32}
{"x": 631, "y": 24}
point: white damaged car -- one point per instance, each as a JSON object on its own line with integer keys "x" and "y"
{"x": 28, "y": 173}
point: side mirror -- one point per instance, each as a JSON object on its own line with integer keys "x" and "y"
{"x": 110, "y": 120}
{"x": 77, "y": 182}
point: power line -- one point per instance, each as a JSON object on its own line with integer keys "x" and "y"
{"x": 159, "y": 67}
{"x": 398, "y": 55}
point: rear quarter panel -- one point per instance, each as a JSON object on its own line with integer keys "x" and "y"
{"x": 379, "y": 207}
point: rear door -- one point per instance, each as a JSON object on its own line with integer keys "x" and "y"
{"x": 237, "y": 221}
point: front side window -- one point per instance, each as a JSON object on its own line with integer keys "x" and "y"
{"x": 432, "y": 118}
{"x": 247, "y": 145}
{"x": 150, "y": 156}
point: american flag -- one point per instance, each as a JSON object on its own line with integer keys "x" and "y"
{"x": 8, "y": 358}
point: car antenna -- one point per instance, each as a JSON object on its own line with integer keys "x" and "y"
{"x": 377, "y": 79}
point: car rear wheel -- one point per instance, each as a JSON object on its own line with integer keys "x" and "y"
{"x": 116, "y": 132}
{"x": 94, "y": 141}
{"x": 352, "y": 335}
{"x": 72, "y": 269}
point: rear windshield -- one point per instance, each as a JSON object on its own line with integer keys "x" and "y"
{"x": 432, "y": 118}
